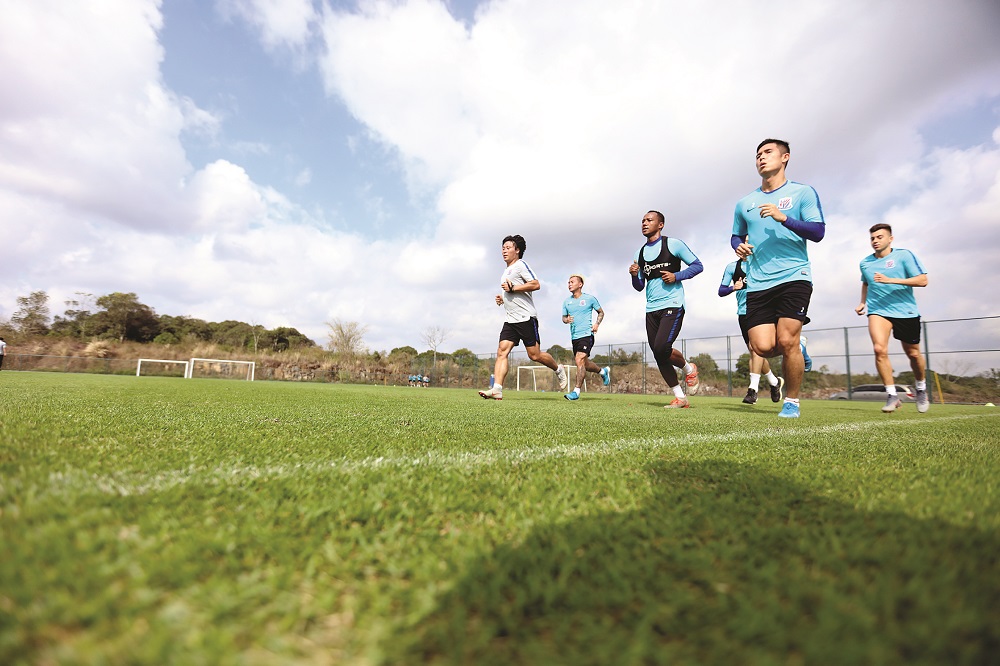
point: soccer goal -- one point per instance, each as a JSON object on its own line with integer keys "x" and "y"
{"x": 138, "y": 366}
{"x": 533, "y": 369}
{"x": 220, "y": 367}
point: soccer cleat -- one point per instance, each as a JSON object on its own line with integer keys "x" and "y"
{"x": 923, "y": 402}
{"x": 750, "y": 398}
{"x": 606, "y": 375}
{"x": 678, "y": 403}
{"x": 561, "y": 376}
{"x": 572, "y": 396}
{"x": 692, "y": 380}
{"x": 805, "y": 354}
{"x": 892, "y": 403}
{"x": 789, "y": 411}
{"x": 776, "y": 390}
{"x": 494, "y": 393}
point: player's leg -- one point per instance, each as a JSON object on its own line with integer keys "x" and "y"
{"x": 792, "y": 364}
{"x": 662, "y": 328}
{"x": 580, "y": 360}
{"x": 500, "y": 368}
{"x": 879, "y": 329}
{"x": 907, "y": 331}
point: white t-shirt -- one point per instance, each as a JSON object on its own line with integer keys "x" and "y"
{"x": 3, "y": 347}
{"x": 518, "y": 306}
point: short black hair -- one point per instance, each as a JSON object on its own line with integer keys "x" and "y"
{"x": 659, "y": 216}
{"x": 781, "y": 144}
{"x": 880, "y": 225}
{"x": 518, "y": 242}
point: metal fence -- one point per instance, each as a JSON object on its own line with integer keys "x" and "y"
{"x": 963, "y": 357}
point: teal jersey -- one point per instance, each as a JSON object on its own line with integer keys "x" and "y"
{"x": 741, "y": 294}
{"x": 779, "y": 254}
{"x": 581, "y": 310}
{"x": 891, "y": 300}
{"x": 659, "y": 294}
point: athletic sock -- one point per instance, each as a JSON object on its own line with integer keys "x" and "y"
{"x": 754, "y": 381}
{"x": 794, "y": 401}
{"x": 771, "y": 379}
{"x": 576, "y": 391}
{"x": 678, "y": 391}
{"x": 890, "y": 389}
{"x": 687, "y": 370}
{"x": 921, "y": 384}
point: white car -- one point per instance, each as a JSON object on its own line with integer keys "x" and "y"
{"x": 875, "y": 392}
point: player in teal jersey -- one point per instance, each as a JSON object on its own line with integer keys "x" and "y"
{"x": 734, "y": 282}
{"x": 577, "y": 311}
{"x": 656, "y": 268}
{"x": 770, "y": 228}
{"x": 888, "y": 277}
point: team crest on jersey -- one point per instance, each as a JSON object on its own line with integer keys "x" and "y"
{"x": 583, "y": 302}
{"x": 890, "y": 263}
{"x": 785, "y": 203}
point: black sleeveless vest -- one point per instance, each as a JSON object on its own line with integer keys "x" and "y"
{"x": 666, "y": 261}
{"x": 738, "y": 272}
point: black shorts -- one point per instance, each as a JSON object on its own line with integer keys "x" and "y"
{"x": 583, "y": 345}
{"x": 744, "y": 330}
{"x": 671, "y": 318}
{"x": 526, "y": 331}
{"x": 905, "y": 329}
{"x": 789, "y": 300}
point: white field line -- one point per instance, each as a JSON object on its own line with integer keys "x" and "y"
{"x": 136, "y": 483}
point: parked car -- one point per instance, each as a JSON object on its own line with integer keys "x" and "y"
{"x": 875, "y": 392}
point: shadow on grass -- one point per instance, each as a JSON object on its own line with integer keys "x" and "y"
{"x": 724, "y": 564}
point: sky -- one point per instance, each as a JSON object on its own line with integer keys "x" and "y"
{"x": 294, "y": 162}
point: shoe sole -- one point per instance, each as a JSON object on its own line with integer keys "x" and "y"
{"x": 489, "y": 396}
{"x": 890, "y": 410}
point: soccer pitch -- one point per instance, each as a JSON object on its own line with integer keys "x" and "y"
{"x": 158, "y": 520}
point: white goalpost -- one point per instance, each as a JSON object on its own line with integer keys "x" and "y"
{"x": 570, "y": 369}
{"x": 251, "y": 366}
{"x": 138, "y": 366}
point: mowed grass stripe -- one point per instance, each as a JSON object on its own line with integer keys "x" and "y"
{"x": 75, "y": 482}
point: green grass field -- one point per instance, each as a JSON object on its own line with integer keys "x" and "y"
{"x": 155, "y": 521}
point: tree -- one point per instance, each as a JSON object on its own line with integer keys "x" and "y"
{"x": 347, "y": 338}
{"x": 560, "y": 354}
{"x": 125, "y": 318}
{"x": 434, "y": 337}
{"x": 706, "y": 364}
{"x": 32, "y": 316}
{"x": 464, "y": 357}
{"x": 76, "y": 320}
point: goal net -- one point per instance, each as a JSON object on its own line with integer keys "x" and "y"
{"x": 545, "y": 382}
{"x": 221, "y": 368}
{"x": 158, "y": 367}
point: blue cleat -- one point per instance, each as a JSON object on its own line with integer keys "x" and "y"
{"x": 606, "y": 375}
{"x": 572, "y": 396}
{"x": 789, "y": 411}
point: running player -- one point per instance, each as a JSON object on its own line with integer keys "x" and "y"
{"x": 888, "y": 277}
{"x": 776, "y": 220}
{"x": 577, "y": 312}
{"x": 521, "y": 320}
{"x": 734, "y": 280}
{"x": 656, "y": 268}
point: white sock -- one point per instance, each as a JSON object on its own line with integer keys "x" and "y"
{"x": 794, "y": 401}
{"x": 576, "y": 390}
{"x": 771, "y": 379}
{"x": 921, "y": 384}
{"x": 678, "y": 391}
{"x": 687, "y": 369}
{"x": 754, "y": 381}
{"x": 891, "y": 389}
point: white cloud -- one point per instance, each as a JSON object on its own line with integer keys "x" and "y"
{"x": 563, "y": 121}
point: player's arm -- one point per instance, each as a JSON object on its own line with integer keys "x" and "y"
{"x": 811, "y": 227}
{"x": 600, "y": 318}
{"x": 915, "y": 281}
{"x": 566, "y": 317}
{"x": 864, "y": 298}
{"x": 530, "y": 285}
{"x": 725, "y": 287}
{"x": 637, "y": 282}
{"x": 684, "y": 253}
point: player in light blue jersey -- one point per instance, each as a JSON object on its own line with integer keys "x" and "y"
{"x": 577, "y": 311}
{"x": 656, "y": 268}
{"x": 734, "y": 282}
{"x": 887, "y": 280}
{"x": 770, "y": 229}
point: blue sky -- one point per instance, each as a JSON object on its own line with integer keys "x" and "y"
{"x": 288, "y": 162}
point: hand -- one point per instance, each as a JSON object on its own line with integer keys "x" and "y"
{"x": 499, "y": 299}
{"x": 633, "y": 270}
{"x": 507, "y": 286}
{"x": 770, "y": 210}
{"x": 739, "y": 284}
{"x": 593, "y": 329}
{"x": 669, "y": 277}
{"x": 883, "y": 279}
{"x": 744, "y": 250}
{"x": 568, "y": 319}
{"x": 860, "y": 309}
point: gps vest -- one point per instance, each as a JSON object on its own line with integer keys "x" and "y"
{"x": 665, "y": 261}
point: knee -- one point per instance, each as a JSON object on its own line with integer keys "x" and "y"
{"x": 881, "y": 350}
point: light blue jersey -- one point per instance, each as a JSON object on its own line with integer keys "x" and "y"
{"x": 659, "y": 294}
{"x": 581, "y": 310}
{"x": 779, "y": 254}
{"x": 741, "y": 294}
{"x": 891, "y": 300}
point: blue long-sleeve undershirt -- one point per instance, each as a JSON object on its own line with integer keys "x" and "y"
{"x": 813, "y": 231}
{"x": 725, "y": 289}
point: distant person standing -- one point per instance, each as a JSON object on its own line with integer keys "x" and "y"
{"x": 3, "y": 351}
{"x": 521, "y": 319}
{"x": 734, "y": 281}
{"x": 656, "y": 268}
{"x": 577, "y": 311}
{"x": 888, "y": 277}
{"x": 770, "y": 228}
